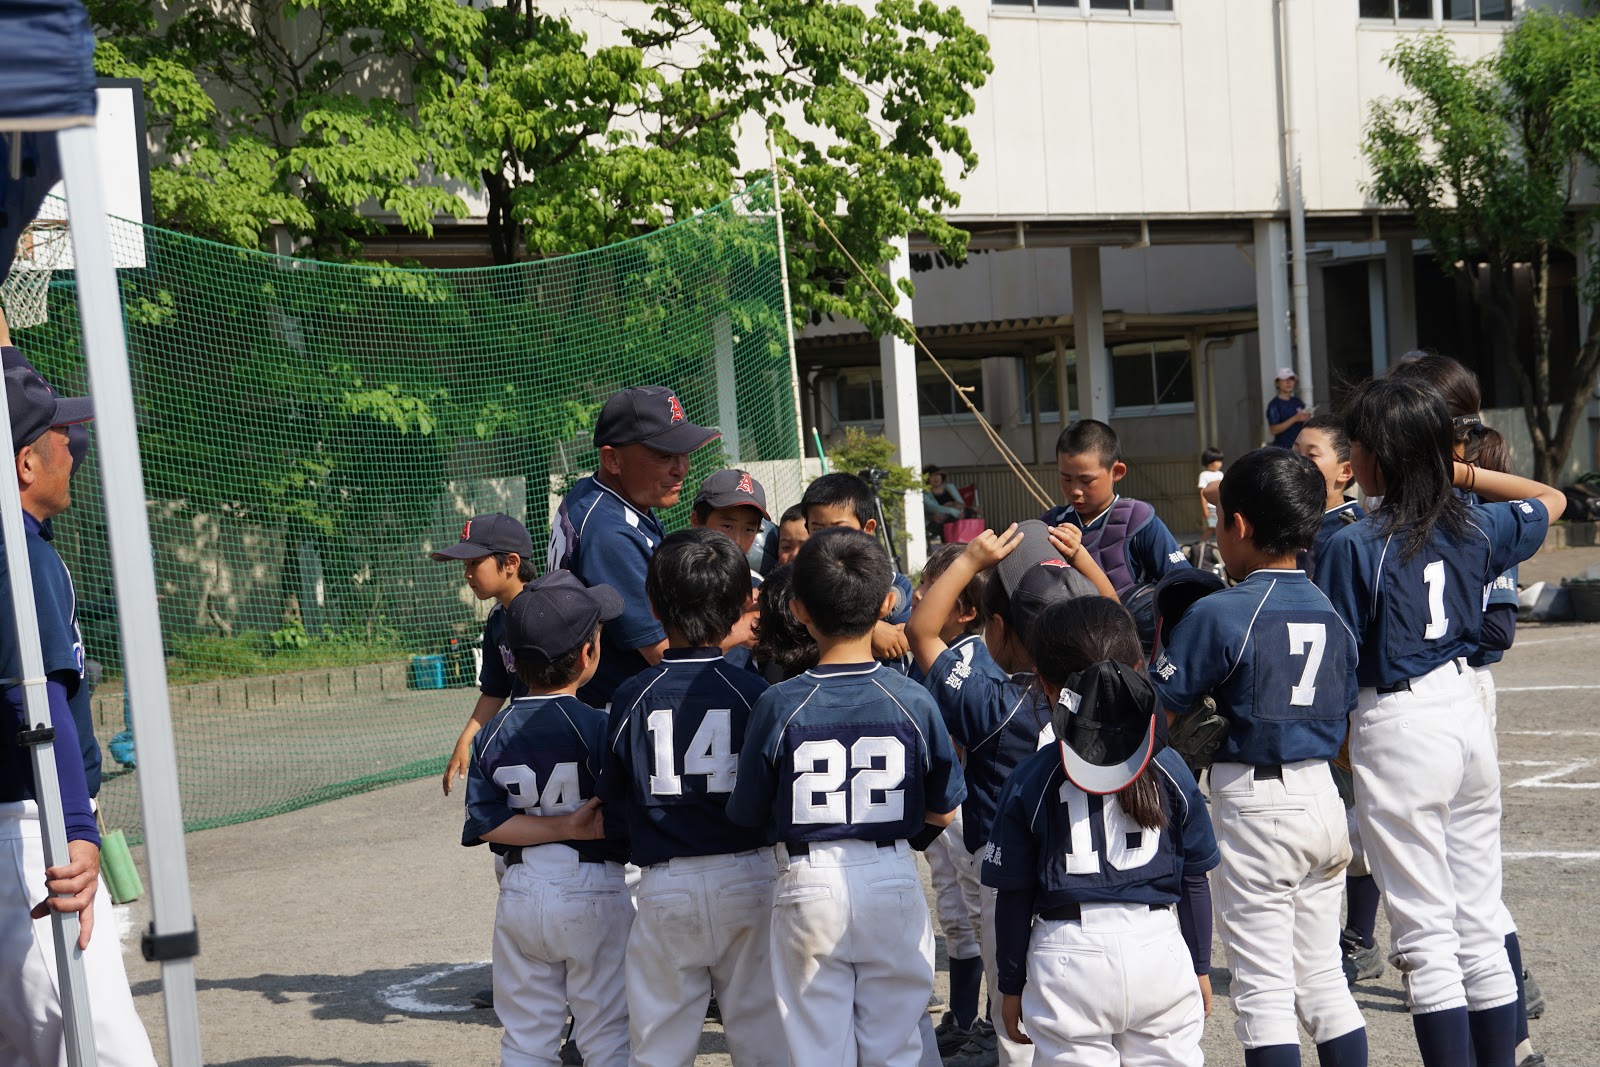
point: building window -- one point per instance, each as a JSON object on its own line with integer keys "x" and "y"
{"x": 1093, "y": 7}
{"x": 1044, "y": 386}
{"x": 1151, "y": 378}
{"x": 935, "y": 396}
{"x": 1437, "y": 11}
{"x": 858, "y": 395}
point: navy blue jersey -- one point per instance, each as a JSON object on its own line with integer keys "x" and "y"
{"x": 845, "y": 751}
{"x": 497, "y": 677}
{"x": 603, "y": 539}
{"x": 1152, "y": 550}
{"x": 1500, "y": 594}
{"x": 1072, "y": 847}
{"x": 56, "y": 607}
{"x": 1277, "y": 658}
{"x": 1333, "y": 520}
{"x": 971, "y": 650}
{"x": 1279, "y": 409}
{"x": 998, "y": 719}
{"x": 541, "y": 755}
{"x": 676, "y": 733}
{"x": 1413, "y": 616}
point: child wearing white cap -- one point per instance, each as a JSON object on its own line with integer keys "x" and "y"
{"x": 1286, "y": 413}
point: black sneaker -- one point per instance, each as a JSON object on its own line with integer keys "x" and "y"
{"x": 1533, "y": 998}
{"x": 950, "y": 1035}
{"x": 1532, "y": 1059}
{"x": 483, "y": 998}
{"x": 1362, "y": 963}
{"x": 570, "y": 1054}
{"x": 982, "y": 1049}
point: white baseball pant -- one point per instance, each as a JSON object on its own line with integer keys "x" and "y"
{"x": 1277, "y": 895}
{"x": 1486, "y": 692}
{"x": 30, "y": 1021}
{"x": 704, "y": 924}
{"x": 957, "y": 891}
{"x": 1115, "y": 988}
{"x": 1428, "y": 801}
{"x": 560, "y": 938}
{"x": 852, "y": 954}
{"x": 1011, "y": 1053}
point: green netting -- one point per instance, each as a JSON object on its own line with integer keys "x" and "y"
{"x": 311, "y": 431}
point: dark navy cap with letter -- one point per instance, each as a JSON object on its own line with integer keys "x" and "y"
{"x": 1035, "y": 576}
{"x": 732, "y": 489}
{"x": 650, "y": 415}
{"x": 557, "y": 613}
{"x": 484, "y": 535}
{"x": 35, "y": 407}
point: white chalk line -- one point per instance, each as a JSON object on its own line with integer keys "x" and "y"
{"x": 1555, "y": 640}
{"x": 1550, "y": 779}
{"x": 1580, "y": 857}
{"x": 1551, "y": 733}
{"x": 401, "y": 997}
{"x": 1541, "y": 688}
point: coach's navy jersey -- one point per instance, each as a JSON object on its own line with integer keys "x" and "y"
{"x": 845, "y": 751}
{"x": 1152, "y": 550}
{"x": 1072, "y": 847}
{"x": 605, "y": 540}
{"x": 1413, "y": 616}
{"x": 56, "y": 607}
{"x": 1333, "y": 520}
{"x": 998, "y": 719}
{"x": 539, "y": 756}
{"x": 497, "y": 677}
{"x": 1277, "y": 658}
{"x": 676, "y": 733}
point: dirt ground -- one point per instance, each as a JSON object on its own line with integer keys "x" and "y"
{"x": 350, "y": 934}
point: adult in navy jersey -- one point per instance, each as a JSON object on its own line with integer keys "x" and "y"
{"x": 1280, "y": 664}
{"x": 606, "y": 529}
{"x": 676, "y": 733}
{"x": 41, "y": 427}
{"x": 561, "y": 925}
{"x": 843, "y": 766}
{"x": 1409, "y": 582}
{"x": 1099, "y": 840}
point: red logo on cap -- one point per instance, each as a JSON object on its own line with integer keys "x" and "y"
{"x": 677, "y": 409}
{"x": 1052, "y": 563}
{"x": 466, "y": 531}
{"x": 744, "y": 484}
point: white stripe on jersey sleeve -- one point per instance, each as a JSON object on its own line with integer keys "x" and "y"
{"x": 927, "y": 761}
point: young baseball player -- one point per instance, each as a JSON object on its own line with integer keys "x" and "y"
{"x": 561, "y": 925}
{"x": 1099, "y": 855}
{"x": 705, "y": 889}
{"x": 843, "y": 766}
{"x": 784, "y": 648}
{"x": 497, "y": 553}
{"x": 1281, "y": 666}
{"x": 1125, "y": 537}
{"x": 997, "y": 717}
{"x": 1409, "y": 580}
{"x": 1323, "y": 442}
{"x": 957, "y": 892}
{"x": 732, "y": 502}
{"x": 843, "y": 500}
{"x": 792, "y": 533}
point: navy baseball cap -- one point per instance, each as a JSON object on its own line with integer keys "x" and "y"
{"x": 650, "y": 415}
{"x": 1035, "y": 576}
{"x": 1176, "y": 593}
{"x": 35, "y": 407}
{"x": 1105, "y": 723}
{"x": 557, "y": 613}
{"x": 484, "y": 535}
{"x": 732, "y": 489}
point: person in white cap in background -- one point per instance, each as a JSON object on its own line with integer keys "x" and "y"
{"x": 1286, "y": 413}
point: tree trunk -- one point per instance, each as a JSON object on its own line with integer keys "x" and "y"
{"x": 505, "y": 235}
{"x": 1585, "y": 374}
{"x": 1544, "y": 468}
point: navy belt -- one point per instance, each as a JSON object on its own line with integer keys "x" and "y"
{"x": 1069, "y": 912}
{"x": 1268, "y": 772}
{"x": 803, "y": 848}
{"x": 513, "y": 856}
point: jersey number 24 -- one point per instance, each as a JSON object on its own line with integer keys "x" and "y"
{"x": 559, "y": 795}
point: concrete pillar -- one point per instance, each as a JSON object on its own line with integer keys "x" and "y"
{"x": 722, "y": 367}
{"x": 1089, "y": 337}
{"x": 1400, "y": 299}
{"x": 1377, "y": 317}
{"x": 902, "y": 421}
{"x": 1063, "y": 387}
{"x": 1272, "y": 304}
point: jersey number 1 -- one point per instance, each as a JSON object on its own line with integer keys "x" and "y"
{"x": 710, "y": 753}
{"x": 1433, "y": 575}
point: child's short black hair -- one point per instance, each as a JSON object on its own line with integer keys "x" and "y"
{"x": 834, "y": 490}
{"x": 842, "y": 576}
{"x": 971, "y": 598}
{"x": 698, "y": 583}
{"x": 780, "y": 639}
{"x": 1090, "y": 437}
{"x": 794, "y": 513}
{"x": 1333, "y": 426}
{"x": 1281, "y": 493}
{"x": 1211, "y": 455}
{"x": 527, "y": 570}
{"x": 537, "y": 672}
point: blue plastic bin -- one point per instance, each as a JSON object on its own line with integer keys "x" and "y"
{"x": 427, "y": 672}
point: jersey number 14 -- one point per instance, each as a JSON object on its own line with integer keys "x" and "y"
{"x": 710, "y": 753}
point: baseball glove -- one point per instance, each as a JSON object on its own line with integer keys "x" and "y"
{"x": 1197, "y": 735}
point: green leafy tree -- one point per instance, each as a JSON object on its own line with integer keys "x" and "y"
{"x": 1488, "y": 157}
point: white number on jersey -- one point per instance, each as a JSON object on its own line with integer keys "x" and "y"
{"x": 1309, "y": 639}
{"x": 1433, "y": 575}
{"x": 710, "y": 753}
{"x": 827, "y": 771}
{"x": 1118, "y": 827}
{"x": 559, "y": 796}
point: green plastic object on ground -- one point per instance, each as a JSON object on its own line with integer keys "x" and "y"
{"x": 116, "y": 865}
{"x": 310, "y": 431}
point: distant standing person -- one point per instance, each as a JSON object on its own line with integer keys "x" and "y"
{"x": 606, "y": 529}
{"x": 1286, "y": 413}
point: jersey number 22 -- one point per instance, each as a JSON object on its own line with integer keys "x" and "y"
{"x": 830, "y": 766}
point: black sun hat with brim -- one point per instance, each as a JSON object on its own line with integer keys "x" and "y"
{"x": 1105, "y": 723}
{"x": 1035, "y": 576}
